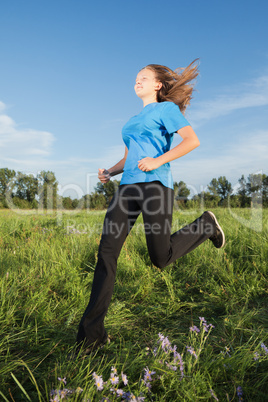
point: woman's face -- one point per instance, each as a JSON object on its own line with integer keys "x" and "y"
{"x": 146, "y": 84}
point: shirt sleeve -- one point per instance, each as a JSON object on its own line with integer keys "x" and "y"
{"x": 172, "y": 118}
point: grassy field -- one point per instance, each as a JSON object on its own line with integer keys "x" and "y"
{"x": 159, "y": 320}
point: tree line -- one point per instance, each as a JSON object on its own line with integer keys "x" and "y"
{"x": 26, "y": 191}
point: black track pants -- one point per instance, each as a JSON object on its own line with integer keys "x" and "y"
{"x": 155, "y": 202}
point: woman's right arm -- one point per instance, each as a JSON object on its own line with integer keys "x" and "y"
{"x": 104, "y": 175}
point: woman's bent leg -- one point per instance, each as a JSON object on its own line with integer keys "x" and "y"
{"x": 120, "y": 217}
{"x": 163, "y": 247}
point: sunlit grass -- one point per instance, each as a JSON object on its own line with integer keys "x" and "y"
{"x": 46, "y": 265}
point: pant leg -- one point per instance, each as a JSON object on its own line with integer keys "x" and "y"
{"x": 163, "y": 247}
{"x": 120, "y": 217}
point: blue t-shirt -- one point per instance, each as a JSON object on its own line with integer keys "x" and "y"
{"x": 150, "y": 133}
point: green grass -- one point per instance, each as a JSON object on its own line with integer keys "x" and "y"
{"x": 46, "y": 265}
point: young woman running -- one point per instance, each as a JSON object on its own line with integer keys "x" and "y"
{"x": 146, "y": 187}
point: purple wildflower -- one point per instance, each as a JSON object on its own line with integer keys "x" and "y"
{"x": 174, "y": 368}
{"x": 147, "y": 384}
{"x": 59, "y": 394}
{"x": 130, "y": 397}
{"x": 114, "y": 379}
{"x": 264, "y": 348}
{"x": 165, "y": 344}
{"x": 239, "y": 391}
{"x": 55, "y": 399}
{"x": 147, "y": 378}
{"x": 119, "y": 392}
{"x": 173, "y": 349}
{"x": 194, "y": 329}
{"x": 114, "y": 370}
{"x": 98, "y": 381}
{"x": 148, "y": 375}
{"x": 99, "y": 384}
{"x": 63, "y": 380}
{"x": 213, "y": 395}
{"x": 178, "y": 357}
{"x": 256, "y": 356}
{"x": 191, "y": 350}
{"x": 206, "y": 326}
{"x": 124, "y": 378}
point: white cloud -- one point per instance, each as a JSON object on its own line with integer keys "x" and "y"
{"x": 248, "y": 154}
{"x": 246, "y": 95}
{"x": 106, "y": 157}
{"x": 20, "y": 144}
{"x": 83, "y": 172}
{"x": 30, "y": 150}
{"x": 2, "y": 106}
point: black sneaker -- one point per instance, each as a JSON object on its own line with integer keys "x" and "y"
{"x": 218, "y": 239}
{"x": 82, "y": 351}
{"x": 105, "y": 341}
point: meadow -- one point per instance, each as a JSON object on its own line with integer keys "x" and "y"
{"x": 194, "y": 331}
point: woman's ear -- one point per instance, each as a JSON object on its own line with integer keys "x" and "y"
{"x": 158, "y": 85}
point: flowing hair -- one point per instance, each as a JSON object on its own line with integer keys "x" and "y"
{"x": 176, "y": 85}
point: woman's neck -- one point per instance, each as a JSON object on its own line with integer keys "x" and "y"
{"x": 148, "y": 101}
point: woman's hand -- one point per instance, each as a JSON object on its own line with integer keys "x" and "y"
{"x": 147, "y": 164}
{"x": 104, "y": 175}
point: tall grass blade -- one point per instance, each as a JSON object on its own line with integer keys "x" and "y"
{"x": 20, "y": 386}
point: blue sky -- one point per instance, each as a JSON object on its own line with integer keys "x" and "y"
{"x": 67, "y": 71}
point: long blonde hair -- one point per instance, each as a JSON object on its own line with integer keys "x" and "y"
{"x": 176, "y": 85}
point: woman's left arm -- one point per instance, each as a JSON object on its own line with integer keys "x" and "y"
{"x": 189, "y": 142}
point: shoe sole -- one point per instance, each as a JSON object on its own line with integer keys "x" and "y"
{"x": 219, "y": 227}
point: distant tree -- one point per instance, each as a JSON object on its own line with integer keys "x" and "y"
{"x": 181, "y": 190}
{"x": 206, "y": 200}
{"x": 242, "y": 193}
{"x": 220, "y": 187}
{"x": 75, "y": 203}
{"x": 21, "y": 203}
{"x": 6, "y": 184}
{"x": 97, "y": 201}
{"x": 257, "y": 188}
{"x": 93, "y": 201}
{"x": 107, "y": 189}
{"x": 181, "y": 193}
{"x": 265, "y": 190}
{"x": 85, "y": 201}
{"x": 26, "y": 187}
{"x": 47, "y": 189}
{"x": 234, "y": 201}
{"x": 67, "y": 203}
